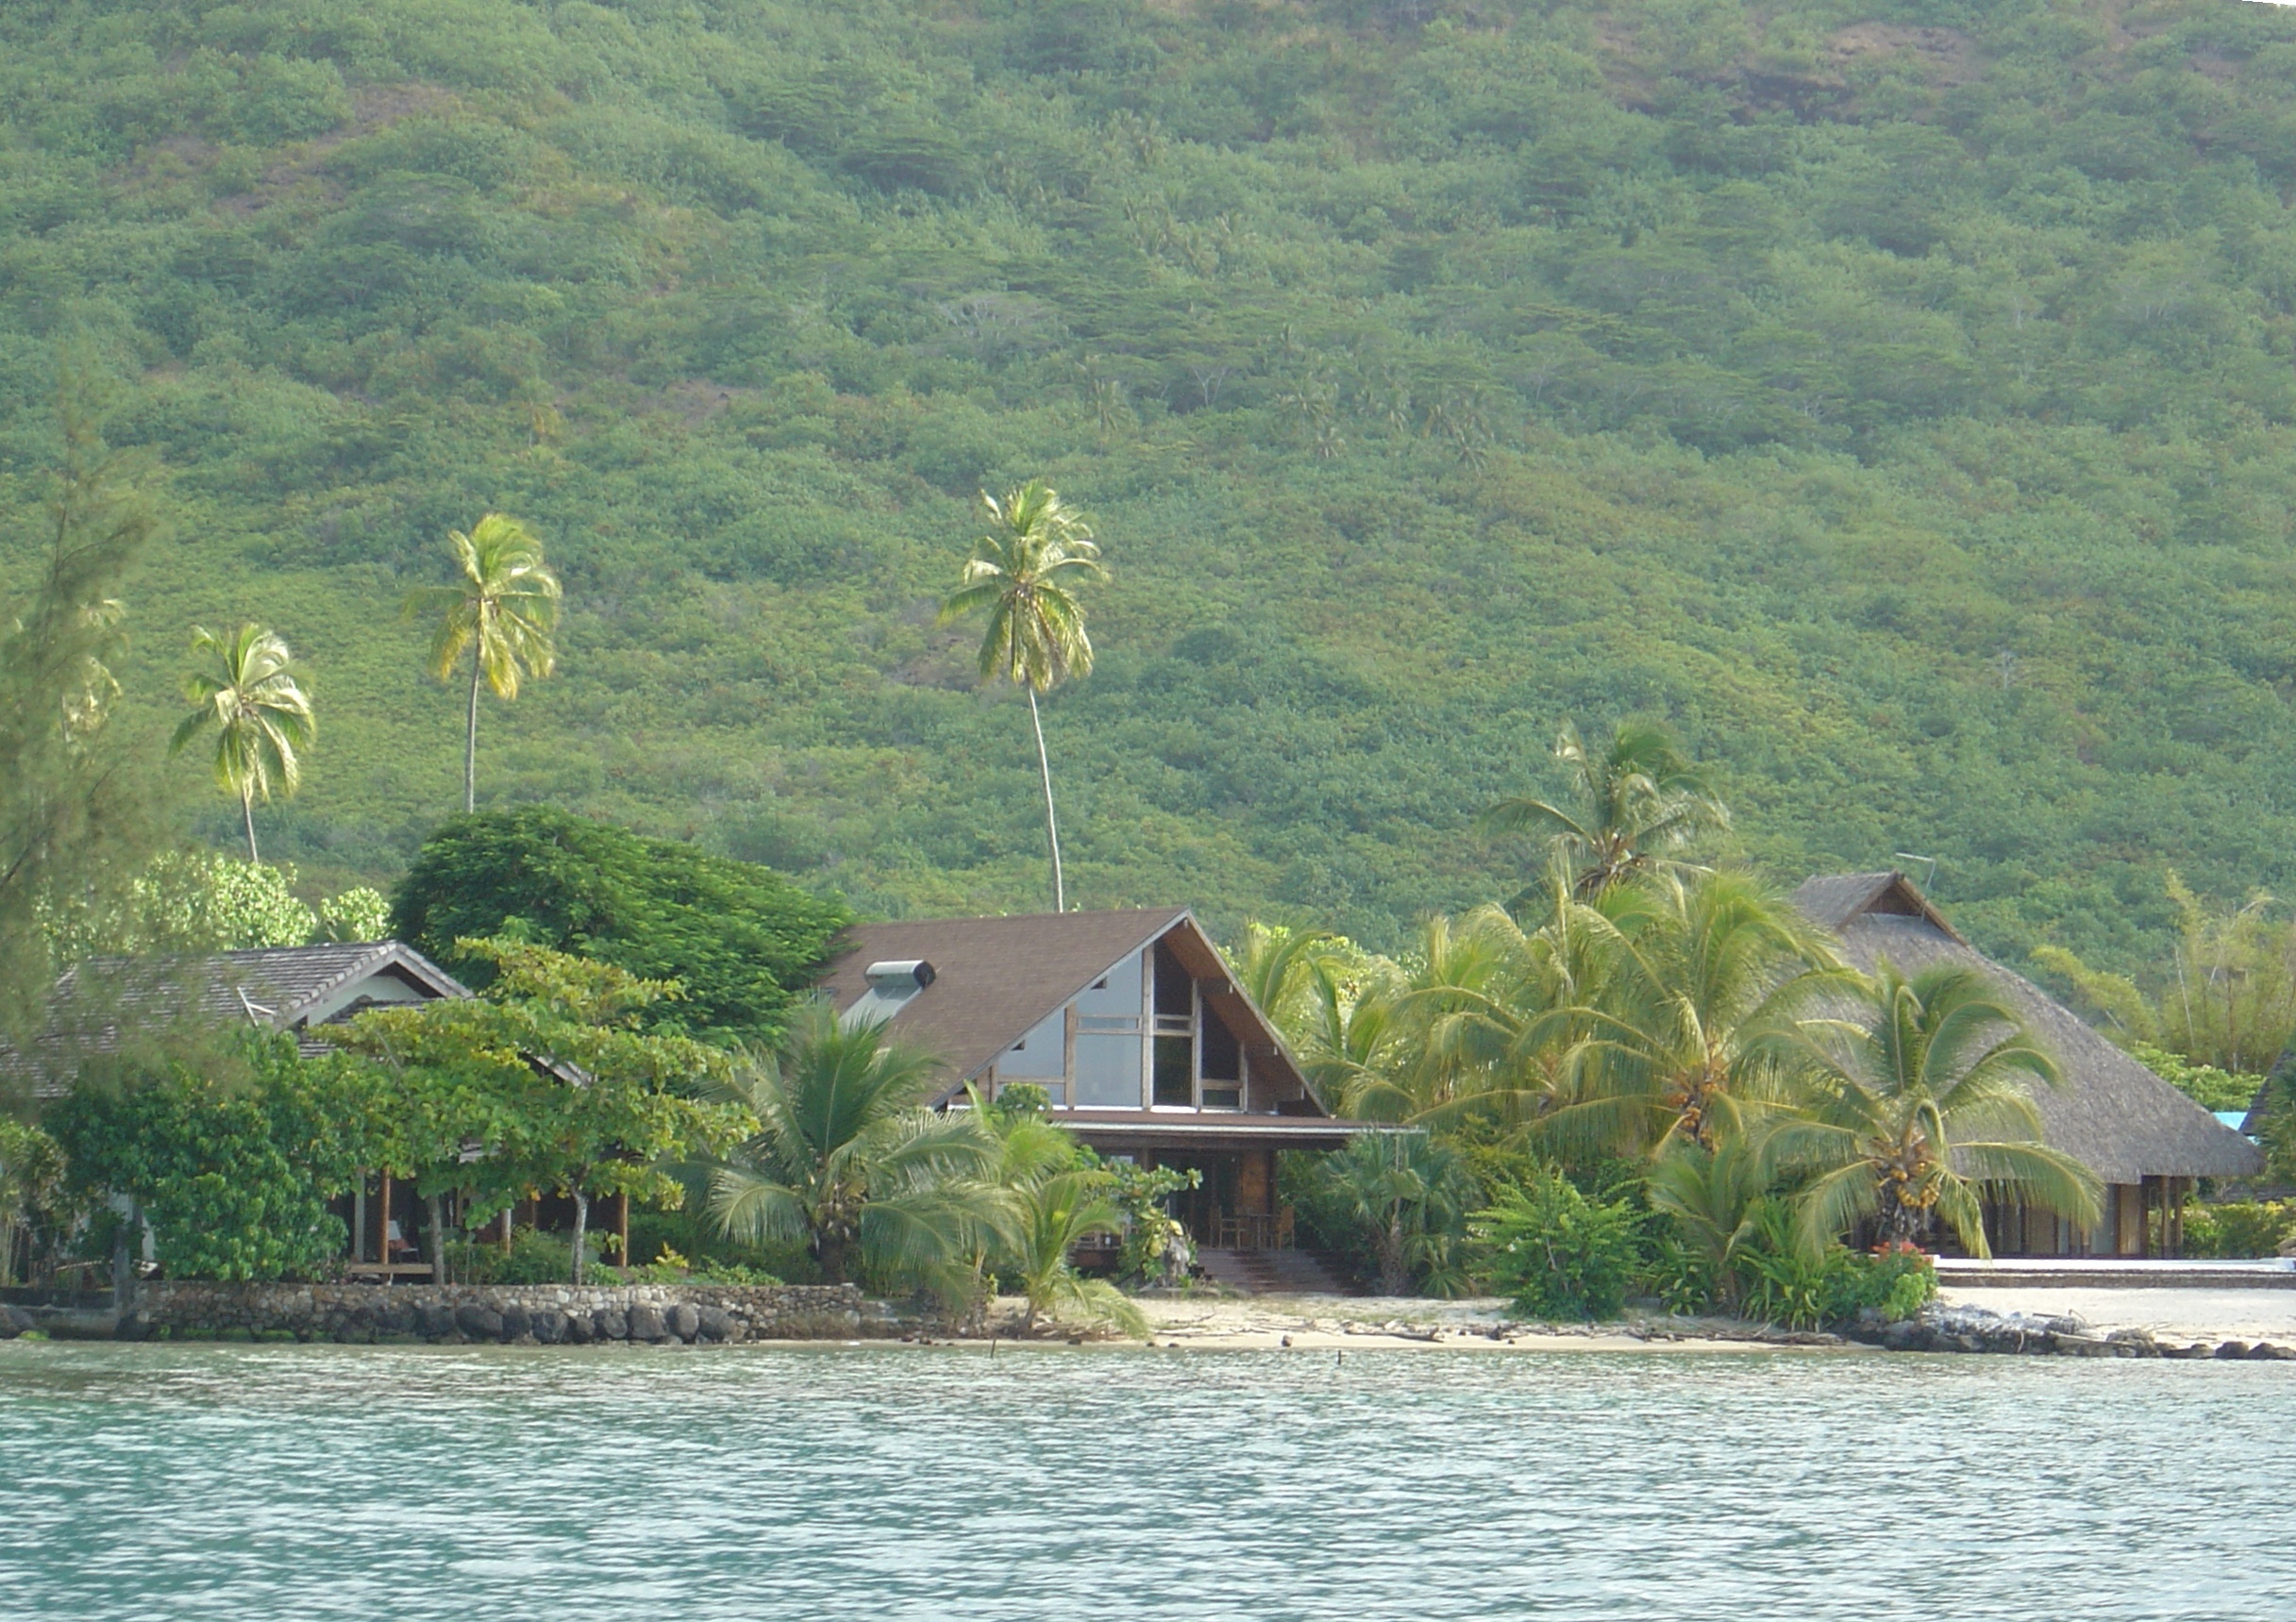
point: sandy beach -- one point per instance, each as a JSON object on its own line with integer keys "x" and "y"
{"x": 1487, "y": 1324}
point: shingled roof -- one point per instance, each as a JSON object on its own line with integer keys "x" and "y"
{"x": 2112, "y": 1114}
{"x": 997, "y": 978}
{"x": 281, "y": 987}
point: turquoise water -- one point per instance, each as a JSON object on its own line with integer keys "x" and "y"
{"x": 900, "y": 1482}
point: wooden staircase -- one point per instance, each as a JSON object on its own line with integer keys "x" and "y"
{"x": 1273, "y": 1272}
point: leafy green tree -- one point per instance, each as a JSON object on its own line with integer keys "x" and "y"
{"x": 848, "y": 1160}
{"x": 261, "y": 714}
{"x": 361, "y": 913}
{"x": 200, "y": 901}
{"x": 2226, "y": 998}
{"x": 74, "y": 823}
{"x": 1025, "y": 574}
{"x": 231, "y": 1148}
{"x": 1926, "y": 1100}
{"x": 743, "y": 943}
{"x": 1637, "y": 799}
{"x": 551, "y": 1074}
{"x": 32, "y": 1193}
{"x": 502, "y": 610}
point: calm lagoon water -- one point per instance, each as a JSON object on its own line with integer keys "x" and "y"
{"x": 899, "y": 1483}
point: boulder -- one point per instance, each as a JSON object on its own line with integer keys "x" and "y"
{"x": 645, "y": 1323}
{"x": 2232, "y": 1350}
{"x": 684, "y": 1321}
{"x": 14, "y": 1321}
{"x": 547, "y": 1325}
{"x": 716, "y": 1324}
{"x": 478, "y": 1323}
{"x": 581, "y": 1328}
{"x": 433, "y": 1321}
{"x": 516, "y": 1321}
{"x": 611, "y": 1324}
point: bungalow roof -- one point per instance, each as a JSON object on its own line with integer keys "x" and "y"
{"x": 2112, "y": 1114}
{"x": 995, "y": 980}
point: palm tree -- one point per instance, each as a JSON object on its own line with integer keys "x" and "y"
{"x": 1408, "y": 1198}
{"x": 504, "y": 610}
{"x": 259, "y": 711}
{"x": 1926, "y": 1101}
{"x": 1708, "y": 976}
{"x": 1025, "y": 571}
{"x": 1712, "y": 1195}
{"x": 1638, "y": 799}
{"x": 848, "y": 1159}
{"x": 1054, "y": 1215}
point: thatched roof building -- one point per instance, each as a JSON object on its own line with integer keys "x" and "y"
{"x": 2146, "y": 1141}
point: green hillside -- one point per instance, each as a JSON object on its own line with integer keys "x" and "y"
{"x": 1899, "y": 397}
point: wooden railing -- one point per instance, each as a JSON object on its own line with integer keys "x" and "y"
{"x": 1254, "y": 1230}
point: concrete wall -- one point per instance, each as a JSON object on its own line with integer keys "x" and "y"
{"x": 545, "y": 1314}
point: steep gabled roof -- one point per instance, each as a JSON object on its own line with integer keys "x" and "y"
{"x": 1836, "y": 898}
{"x": 997, "y": 978}
{"x": 2112, "y": 1114}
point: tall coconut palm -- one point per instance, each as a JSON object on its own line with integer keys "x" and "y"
{"x": 261, "y": 713}
{"x": 848, "y": 1160}
{"x": 503, "y": 610}
{"x": 1707, "y": 977}
{"x": 1925, "y": 1100}
{"x": 1024, "y": 573}
{"x": 1637, "y": 799}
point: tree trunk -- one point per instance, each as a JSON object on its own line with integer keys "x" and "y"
{"x": 1052, "y": 822}
{"x": 437, "y": 1204}
{"x": 246, "y": 816}
{"x": 581, "y": 1227}
{"x": 121, "y": 1271}
{"x": 469, "y": 738}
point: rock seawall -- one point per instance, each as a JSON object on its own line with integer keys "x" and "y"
{"x": 524, "y": 1314}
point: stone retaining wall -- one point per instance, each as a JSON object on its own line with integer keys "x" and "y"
{"x": 529, "y": 1315}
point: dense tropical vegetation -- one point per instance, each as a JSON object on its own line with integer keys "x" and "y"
{"x": 1892, "y": 397}
{"x": 1893, "y": 394}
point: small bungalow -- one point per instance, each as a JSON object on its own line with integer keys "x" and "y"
{"x": 1131, "y": 1024}
{"x": 293, "y": 989}
{"x": 2147, "y": 1142}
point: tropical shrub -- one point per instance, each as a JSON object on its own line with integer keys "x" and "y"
{"x": 1557, "y": 1252}
{"x": 232, "y": 1151}
{"x": 1783, "y": 1280}
{"x": 2240, "y": 1227}
{"x": 534, "y": 1258}
{"x": 1396, "y": 1204}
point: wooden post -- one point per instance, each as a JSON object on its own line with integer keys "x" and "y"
{"x": 622, "y": 1220}
{"x": 382, "y": 1228}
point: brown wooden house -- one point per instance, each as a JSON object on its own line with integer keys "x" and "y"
{"x": 2147, "y": 1142}
{"x": 1131, "y": 1024}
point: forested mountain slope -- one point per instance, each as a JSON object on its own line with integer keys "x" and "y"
{"x": 1899, "y": 397}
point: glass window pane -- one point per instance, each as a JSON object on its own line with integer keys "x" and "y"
{"x": 1108, "y": 1071}
{"x": 1174, "y": 1084}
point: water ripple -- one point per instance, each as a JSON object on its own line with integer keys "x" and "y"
{"x": 899, "y": 1483}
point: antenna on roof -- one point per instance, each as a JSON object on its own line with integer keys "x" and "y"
{"x": 1929, "y": 878}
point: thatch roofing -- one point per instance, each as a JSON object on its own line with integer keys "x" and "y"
{"x": 2112, "y": 1114}
{"x": 997, "y": 978}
